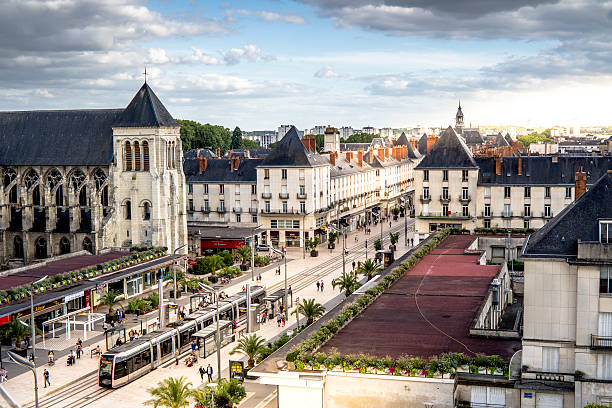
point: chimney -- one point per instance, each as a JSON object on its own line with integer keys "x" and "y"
{"x": 580, "y": 180}
{"x": 381, "y": 153}
{"x": 203, "y": 164}
{"x": 387, "y": 152}
{"x": 431, "y": 141}
{"x": 413, "y": 143}
{"x": 371, "y": 152}
{"x": 236, "y": 162}
{"x": 498, "y": 165}
{"x": 520, "y": 166}
{"x": 332, "y": 158}
{"x": 360, "y": 157}
{"x": 231, "y": 164}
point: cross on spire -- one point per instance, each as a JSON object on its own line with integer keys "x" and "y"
{"x": 145, "y": 74}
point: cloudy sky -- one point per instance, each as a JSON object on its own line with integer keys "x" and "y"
{"x": 258, "y": 64}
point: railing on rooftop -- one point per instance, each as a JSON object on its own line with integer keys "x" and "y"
{"x": 601, "y": 342}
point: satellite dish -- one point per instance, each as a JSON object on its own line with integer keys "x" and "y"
{"x": 515, "y": 365}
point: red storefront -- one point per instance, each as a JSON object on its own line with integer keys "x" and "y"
{"x": 208, "y": 246}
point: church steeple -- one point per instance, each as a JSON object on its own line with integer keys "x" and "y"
{"x": 459, "y": 119}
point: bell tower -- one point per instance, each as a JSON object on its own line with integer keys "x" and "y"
{"x": 459, "y": 120}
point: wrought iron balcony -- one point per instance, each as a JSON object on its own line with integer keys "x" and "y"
{"x": 266, "y": 195}
{"x": 449, "y": 214}
{"x": 507, "y": 214}
{"x": 465, "y": 199}
{"x": 485, "y": 215}
{"x": 205, "y": 209}
{"x": 425, "y": 199}
{"x": 221, "y": 210}
{"x": 283, "y": 196}
{"x": 302, "y": 196}
{"x": 237, "y": 209}
{"x": 526, "y": 214}
{"x": 601, "y": 342}
{"x": 253, "y": 210}
{"x": 445, "y": 199}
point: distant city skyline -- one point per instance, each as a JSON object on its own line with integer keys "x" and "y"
{"x": 363, "y": 63}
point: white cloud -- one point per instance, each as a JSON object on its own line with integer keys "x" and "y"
{"x": 289, "y": 18}
{"x": 235, "y": 55}
{"x": 328, "y": 72}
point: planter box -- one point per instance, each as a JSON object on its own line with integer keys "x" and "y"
{"x": 314, "y": 253}
{"x": 331, "y": 246}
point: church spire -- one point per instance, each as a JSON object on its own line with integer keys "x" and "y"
{"x": 459, "y": 119}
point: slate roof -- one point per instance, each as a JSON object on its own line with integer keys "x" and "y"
{"x": 509, "y": 139}
{"x": 402, "y": 140}
{"x": 501, "y": 141}
{"x": 291, "y": 152}
{"x": 449, "y": 152}
{"x": 353, "y": 147}
{"x": 422, "y": 144}
{"x": 577, "y": 222}
{"x": 219, "y": 171}
{"x": 195, "y": 153}
{"x": 74, "y": 137}
{"x": 146, "y": 110}
{"x": 541, "y": 170}
{"x": 413, "y": 154}
{"x": 473, "y": 137}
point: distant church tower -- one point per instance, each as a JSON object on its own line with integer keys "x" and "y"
{"x": 459, "y": 120}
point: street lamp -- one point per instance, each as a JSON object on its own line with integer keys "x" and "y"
{"x": 285, "y": 301}
{"x": 214, "y": 291}
{"x": 212, "y": 386}
{"x": 174, "y": 269}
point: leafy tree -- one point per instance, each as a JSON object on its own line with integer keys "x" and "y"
{"x": 16, "y": 330}
{"x": 226, "y": 394}
{"x": 393, "y": 237}
{"x": 154, "y": 299}
{"x": 248, "y": 144}
{"x": 251, "y": 346}
{"x": 208, "y": 264}
{"x": 377, "y": 245}
{"x": 311, "y": 310}
{"x": 110, "y": 299}
{"x": 346, "y": 282}
{"x": 320, "y": 140}
{"x": 244, "y": 253}
{"x": 236, "y": 138}
{"x": 332, "y": 236}
{"x": 171, "y": 393}
{"x": 359, "y": 138}
{"x": 369, "y": 269}
{"x": 194, "y": 135}
{"x": 228, "y": 259}
{"x": 535, "y": 137}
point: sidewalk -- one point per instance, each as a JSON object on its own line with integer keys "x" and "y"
{"x": 326, "y": 267}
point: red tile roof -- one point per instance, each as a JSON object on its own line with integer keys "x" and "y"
{"x": 451, "y": 286}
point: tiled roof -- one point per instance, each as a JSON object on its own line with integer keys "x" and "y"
{"x": 449, "y": 152}
{"x": 291, "y": 152}
{"x": 577, "y": 222}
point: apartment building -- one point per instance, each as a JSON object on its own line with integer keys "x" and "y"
{"x": 567, "y": 339}
{"x": 456, "y": 189}
{"x": 294, "y": 193}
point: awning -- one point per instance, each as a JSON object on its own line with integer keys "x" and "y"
{"x": 221, "y": 243}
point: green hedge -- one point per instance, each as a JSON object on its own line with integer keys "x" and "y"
{"x": 305, "y": 353}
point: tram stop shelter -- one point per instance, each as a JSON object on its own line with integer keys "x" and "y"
{"x": 83, "y": 317}
{"x": 196, "y": 299}
{"x": 274, "y": 302}
{"x": 207, "y": 343}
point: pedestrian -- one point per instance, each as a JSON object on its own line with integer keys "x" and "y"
{"x": 321, "y": 285}
{"x": 46, "y": 376}
{"x": 278, "y": 320}
{"x": 290, "y": 291}
{"x": 79, "y": 348}
{"x": 209, "y": 372}
{"x": 358, "y": 264}
{"x": 193, "y": 346}
{"x": 51, "y": 357}
{"x": 389, "y": 224}
{"x": 202, "y": 372}
{"x": 353, "y": 265}
{"x": 355, "y": 238}
{"x": 3, "y": 375}
{"x": 259, "y": 277}
{"x": 318, "y": 286}
{"x": 263, "y": 317}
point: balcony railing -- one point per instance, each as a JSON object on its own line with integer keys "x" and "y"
{"x": 485, "y": 215}
{"x": 205, "y": 209}
{"x": 253, "y": 210}
{"x": 465, "y": 199}
{"x": 444, "y": 199}
{"x": 549, "y": 215}
{"x": 302, "y": 196}
{"x": 221, "y": 210}
{"x": 469, "y": 404}
{"x": 425, "y": 199}
{"x": 507, "y": 214}
{"x": 266, "y": 195}
{"x": 526, "y": 214}
{"x": 444, "y": 215}
{"x": 601, "y": 342}
{"x": 284, "y": 196}
{"x": 237, "y": 209}
{"x": 281, "y": 211}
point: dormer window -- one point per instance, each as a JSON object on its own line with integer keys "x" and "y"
{"x": 605, "y": 232}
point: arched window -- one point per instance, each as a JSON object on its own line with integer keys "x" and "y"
{"x": 41, "y": 248}
{"x": 18, "y": 247}
{"x": 99, "y": 178}
{"x": 64, "y": 246}
{"x": 136, "y": 156}
{"x": 9, "y": 176}
{"x": 30, "y": 179}
{"x": 13, "y": 195}
{"x": 87, "y": 245}
{"x": 145, "y": 155}
{"x": 83, "y": 196}
{"x": 59, "y": 196}
{"x": 104, "y": 197}
{"x": 36, "y": 196}
{"x": 146, "y": 211}
{"x": 77, "y": 179}
{"x": 128, "y": 156}
{"x": 128, "y": 210}
{"x": 54, "y": 178}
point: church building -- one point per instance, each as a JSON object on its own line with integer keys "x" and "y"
{"x": 90, "y": 179}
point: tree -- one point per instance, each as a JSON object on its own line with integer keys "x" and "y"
{"x": 171, "y": 393}
{"x": 236, "y": 142}
{"x": 535, "y": 137}
{"x": 243, "y": 252}
{"x": 359, "y": 138}
{"x": 332, "y": 237}
{"x": 250, "y": 346}
{"x": 248, "y": 144}
{"x": 226, "y": 394}
{"x": 377, "y": 245}
{"x": 215, "y": 263}
{"x": 393, "y": 237}
{"x": 16, "y": 330}
{"x": 311, "y": 310}
{"x": 369, "y": 269}
{"x": 194, "y": 135}
{"x": 346, "y": 282}
{"x": 110, "y": 299}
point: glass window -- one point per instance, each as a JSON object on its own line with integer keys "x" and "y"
{"x": 222, "y": 204}
{"x": 238, "y": 218}
{"x": 445, "y": 193}
{"x": 605, "y": 275}
{"x": 106, "y": 366}
{"x": 191, "y": 204}
{"x": 205, "y": 188}
{"x": 487, "y": 192}
{"x": 190, "y": 188}
{"x": 120, "y": 369}
{"x": 550, "y": 359}
{"x": 266, "y": 174}
{"x": 302, "y": 190}
{"x": 238, "y": 190}
{"x": 487, "y": 223}
{"x": 221, "y": 189}
{"x": 527, "y": 210}
{"x": 507, "y": 212}
{"x": 253, "y": 188}
{"x": 464, "y": 193}
{"x": 547, "y": 211}
{"x": 254, "y": 219}
{"x": 296, "y": 223}
{"x": 267, "y": 205}
{"x": 605, "y": 232}
{"x": 487, "y": 210}
{"x": 302, "y": 207}
{"x": 526, "y": 224}
{"x": 506, "y": 192}
{"x": 464, "y": 175}
{"x": 425, "y": 192}
{"x": 604, "y": 366}
{"x": 445, "y": 210}
{"x": 284, "y": 174}
{"x": 285, "y": 206}
{"x": 425, "y": 175}
{"x": 465, "y": 211}
{"x": 273, "y": 224}
{"x": 547, "y": 192}
{"x": 444, "y": 175}
{"x": 527, "y": 192}
{"x": 568, "y": 192}
{"x": 206, "y": 205}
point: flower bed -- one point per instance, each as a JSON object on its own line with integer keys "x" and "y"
{"x": 304, "y": 355}
{"x": 142, "y": 255}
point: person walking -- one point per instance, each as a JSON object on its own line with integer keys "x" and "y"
{"x": 321, "y": 285}
{"x": 353, "y": 265}
{"x": 278, "y": 320}
{"x": 202, "y": 372}
{"x": 72, "y": 357}
{"x": 3, "y": 375}
{"x": 193, "y": 346}
{"x": 209, "y": 372}
{"x": 318, "y": 286}
{"x": 46, "y": 376}
{"x": 283, "y": 318}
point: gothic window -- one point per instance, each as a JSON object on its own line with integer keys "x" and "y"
{"x": 87, "y": 245}
{"x": 77, "y": 179}
{"x": 99, "y": 178}
{"x": 145, "y": 155}
{"x": 30, "y": 179}
{"x": 13, "y": 195}
{"x": 128, "y": 156}
{"x": 146, "y": 211}
{"x": 136, "y": 156}
{"x": 18, "y": 247}
{"x": 41, "y": 248}
{"x": 54, "y": 178}
{"x": 83, "y": 196}
{"x": 64, "y": 246}
{"x": 104, "y": 197}
{"x": 8, "y": 176}
{"x": 36, "y": 196}
{"x": 59, "y": 196}
{"x": 128, "y": 210}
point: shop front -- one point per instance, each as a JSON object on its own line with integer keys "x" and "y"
{"x": 292, "y": 238}
{"x": 213, "y": 246}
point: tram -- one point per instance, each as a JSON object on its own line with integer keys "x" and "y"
{"x": 127, "y": 362}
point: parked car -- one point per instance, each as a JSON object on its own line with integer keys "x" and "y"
{"x": 262, "y": 248}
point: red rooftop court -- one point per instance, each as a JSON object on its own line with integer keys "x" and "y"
{"x": 429, "y": 311}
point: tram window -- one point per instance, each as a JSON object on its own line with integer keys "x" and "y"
{"x": 166, "y": 347}
{"x": 106, "y": 366}
{"x": 146, "y": 358}
{"x": 137, "y": 362}
{"x": 208, "y": 322}
{"x": 154, "y": 352}
{"x": 184, "y": 337}
{"x": 121, "y": 369}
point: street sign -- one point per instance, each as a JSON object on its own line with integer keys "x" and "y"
{"x": 236, "y": 370}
